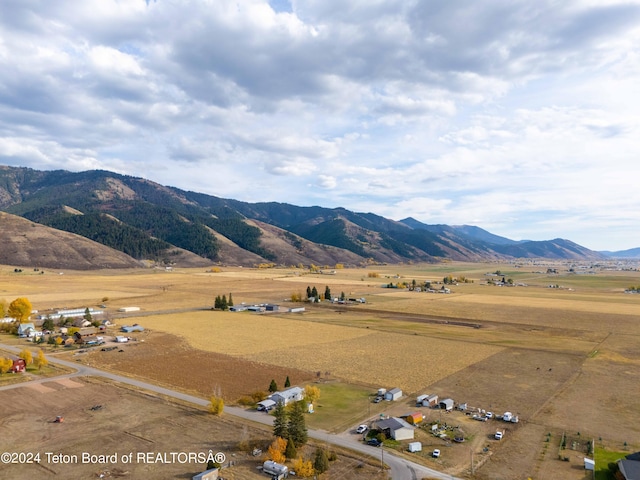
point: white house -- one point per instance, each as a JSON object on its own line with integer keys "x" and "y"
{"x": 293, "y": 394}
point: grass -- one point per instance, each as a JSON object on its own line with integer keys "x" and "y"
{"x": 603, "y": 458}
{"x": 339, "y": 406}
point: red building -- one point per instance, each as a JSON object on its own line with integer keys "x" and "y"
{"x": 19, "y": 365}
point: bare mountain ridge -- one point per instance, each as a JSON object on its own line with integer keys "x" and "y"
{"x": 146, "y": 220}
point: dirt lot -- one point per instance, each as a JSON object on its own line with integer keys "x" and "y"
{"x": 127, "y": 422}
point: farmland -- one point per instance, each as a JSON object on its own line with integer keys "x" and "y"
{"x": 564, "y": 358}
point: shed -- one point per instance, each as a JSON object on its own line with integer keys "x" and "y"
{"x": 272, "y": 308}
{"x": 420, "y": 399}
{"x": 415, "y": 447}
{"x": 207, "y": 475}
{"x": 446, "y": 404}
{"x": 19, "y": 365}
{"x": 393, "y": 394}
{"x": 132, "y": 328}
{"x": 430, "y": 401}
{"x": 415, "y": 418}
{"x": 396, "y": 428}
{"x": 589, "y": 464}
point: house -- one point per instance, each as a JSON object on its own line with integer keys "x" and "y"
{"x": 26, "y": 330}
{"x": 293, "y": 394}
{"x": 81, "y": 323}
{"x": 446, "y": 404}
{"x": 238, "y": 308}
{"x": 414, "y": 418}
{"x": 121, "y": 339}
{"x": 19, "y": 365}
{"x": 393, "y": 394}
{"x": 272, "y": 308}
{"x": 396, "y": 428}
{"x": 629, "y": 466}
{"x": 212, "y": 474}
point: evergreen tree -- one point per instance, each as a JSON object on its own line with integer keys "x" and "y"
{"x": 327, "y": 293}
{"x": 273, "y": 386}
{"x": 223, "y": 302}
{"x": 280, "y": 421}
{"x": 314, "y": 292}
{"x": 342, "y": 296}
{"x": 291, "y": 451}
{"x": 321, "y": 461}
{"x": 309, "y": 291}
{"x": 87, "y": 315}
{"x": 217, "y": 302}
{"x": 230, "y": 302}
{"x": 287, "y": 382}
{"x": 296, "y": 426}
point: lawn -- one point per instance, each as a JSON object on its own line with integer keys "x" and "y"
{"x": 603, "y": 458}
{"x": 340, "y": 406}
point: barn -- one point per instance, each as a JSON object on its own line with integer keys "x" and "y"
{"x": 396, "y": 428}
{"x": 19, "y": 365}
{"x": 446, "y": 404}
{"x": 393, "y": 394}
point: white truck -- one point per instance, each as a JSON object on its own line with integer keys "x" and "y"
{"x": 498, "y": 435}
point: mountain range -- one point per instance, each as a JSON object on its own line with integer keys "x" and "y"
{"x": 130, "y": 220}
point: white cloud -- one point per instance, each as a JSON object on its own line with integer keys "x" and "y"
{"x": 523, "y": 120}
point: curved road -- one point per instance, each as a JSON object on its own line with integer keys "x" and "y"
{"x": 401, "y": 469}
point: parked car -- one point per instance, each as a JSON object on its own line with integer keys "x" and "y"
{"x": 362, "y": 429}
{"x": 436, "y": 453}
{"x": 377, "y": 400}
{"x": 489, "y": 415}
{"x": 374, "y": 442}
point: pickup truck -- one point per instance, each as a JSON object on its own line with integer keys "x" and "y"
{"x": 498, "y": 435}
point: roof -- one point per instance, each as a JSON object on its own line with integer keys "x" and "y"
{"x": 290, "y": 392}
{"x": 23, "y": 327}
{"x": 393, "y": 424}
{"x": 633, "y": 456}
{"x": 630, "y": 469}
{"x": 394, "y": 391}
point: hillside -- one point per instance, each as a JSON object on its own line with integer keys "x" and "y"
{"x": 148, "y": 221}
{"x": 28, "y": 244}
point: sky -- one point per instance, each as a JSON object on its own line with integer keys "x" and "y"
{"x": 521, "y": 117}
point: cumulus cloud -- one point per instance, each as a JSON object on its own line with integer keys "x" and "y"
{"x": 519, "y": 116}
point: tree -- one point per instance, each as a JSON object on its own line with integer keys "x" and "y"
{"x": 5, "y": 365}
{"x": 223, "y": 302}
{"x": 303, "y": 468}
{"x": 287, "y": 382}
{"x": 314, "y": 292}
{"x": 342, "y": 296}
{"x": 311, "y": 393}
{"x": 217, "y": 302}
{"x": 48, "y": 324}
{"x": 273, "y": 386}
{"x": 291, "y": 451}
{"x": 230, "y": 302}
{"x": 309, "y": 291}
{"x": 216, "y": 405}
{"x": 87, "y": 315}
{"x": 321, "y": 461}
{"x": 280, "y": 421}
{"x": 276, "y": 450}
{"x": 327, "y": 293}
{"x": 3, "y": 308}
{"x": 296, "y": 426}
{"x": 27, "y": 356}
{"x": 41, "y": 360}
{"x": 20, "y": 309}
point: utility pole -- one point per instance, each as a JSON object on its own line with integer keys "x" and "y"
{"x": 382, "y": 457}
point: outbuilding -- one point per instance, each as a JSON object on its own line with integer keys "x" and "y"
{"x": 446, "y": 404}
{"x": 393, "y": 394}
{"x": 430, "y": 401}
{"x": 19, "y": 365}
{"x": 265, "y": 405}
{"x": 212, "y": 474}
{"x": 415, "y": 418}
{"x": 415, "y": 447}
{"x": 396, "y": 428}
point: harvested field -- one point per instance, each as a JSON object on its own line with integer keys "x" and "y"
{"x": 169, "y": 360}
{"x": 348, "y": 353}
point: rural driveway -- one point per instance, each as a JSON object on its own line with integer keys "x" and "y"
{"x": 401, "y": 469}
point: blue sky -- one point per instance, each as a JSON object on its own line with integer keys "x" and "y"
{"x": 519, "y": 117}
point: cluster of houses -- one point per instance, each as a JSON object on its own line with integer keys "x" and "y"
{"x": 264, "y": 307}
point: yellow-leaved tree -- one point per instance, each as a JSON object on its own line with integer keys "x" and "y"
{"x": 41, "y": 361}
{"x": 303, "y": 468}
{"x": 216, "y": 406}
{"x": 5, "y": 365}
{"x": 27, "y": 356}
{"x": 311, "y": 393}
{"x": 20, "y": 309}
{"x": 276, "y": 450}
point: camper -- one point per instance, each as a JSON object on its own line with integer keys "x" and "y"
{"x": 415, "y": 447}
{"x": 277, "y": 470}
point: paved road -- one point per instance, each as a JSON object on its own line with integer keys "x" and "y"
{"x": 400, "y": 468}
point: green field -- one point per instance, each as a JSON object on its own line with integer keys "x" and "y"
{"x": 603, "y": 458}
